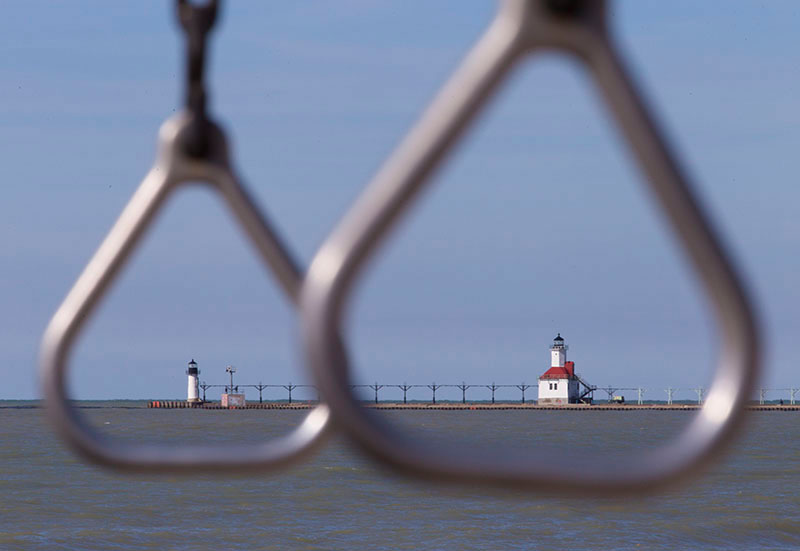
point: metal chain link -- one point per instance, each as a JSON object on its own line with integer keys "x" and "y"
{"x": 197, "y": 23}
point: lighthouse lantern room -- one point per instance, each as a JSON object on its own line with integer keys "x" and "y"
{"x": 193, "y": 393}
{"x": 559, "y": 384}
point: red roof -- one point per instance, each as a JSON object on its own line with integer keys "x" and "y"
{"x": 566, "y": 372}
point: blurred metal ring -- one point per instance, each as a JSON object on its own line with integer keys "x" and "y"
{"x": 173, "y": 168}
{"x": 520, "y": 28}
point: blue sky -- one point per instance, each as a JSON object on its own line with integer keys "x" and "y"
{"x": 537, "y": 224}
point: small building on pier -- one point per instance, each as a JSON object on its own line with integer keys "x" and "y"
{"x": 559, "y": 384}
{"x": 231, "y": 397}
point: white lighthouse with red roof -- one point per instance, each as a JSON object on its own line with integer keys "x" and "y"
{"x": 559, "y": 384}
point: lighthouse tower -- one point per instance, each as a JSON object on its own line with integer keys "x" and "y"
{"x": 559, "y": 384}
{"x": 193, "y": 393}
{"x": 558, "y": 352}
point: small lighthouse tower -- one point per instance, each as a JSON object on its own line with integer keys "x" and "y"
{"x": 193, "y": 393}
{"x": 558, "y": 352}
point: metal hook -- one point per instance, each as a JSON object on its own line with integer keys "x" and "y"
{"x": 197, "y": 17}
{"x": 197, "y": 22}
{"x": 520, "y": 28}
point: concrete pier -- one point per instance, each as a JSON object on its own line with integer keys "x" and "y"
{"x": 179, "y": 404}
{"x": 175, "y": 404}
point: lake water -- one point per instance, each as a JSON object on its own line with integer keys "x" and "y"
{"x": 340, "y": 500}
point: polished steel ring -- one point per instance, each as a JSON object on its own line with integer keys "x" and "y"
{"x": 174, "y": 167}
{"x": 523, "y": 27}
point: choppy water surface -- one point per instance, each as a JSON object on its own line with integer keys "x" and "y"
{"x": 339, "y": 500}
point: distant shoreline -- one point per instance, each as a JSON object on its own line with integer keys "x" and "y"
{"x": 442, "y": 406}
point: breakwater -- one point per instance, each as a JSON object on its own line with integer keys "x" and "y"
{"x": 176, "y": 404}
